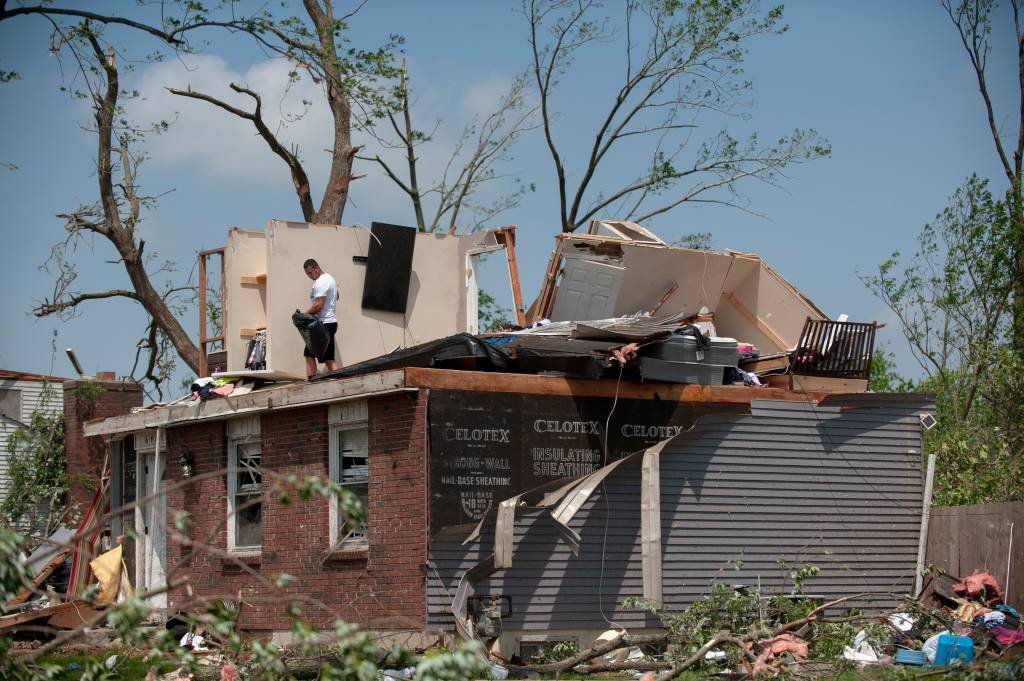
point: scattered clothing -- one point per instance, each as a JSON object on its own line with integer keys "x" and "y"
{"x": 977, "y": 584}
{"x": 195, "y": 641}
{"x": 256, "y": 353}
{"x": 1006, "y": 636}
{"x": 223, "y": 390}
{"x": 1009, "y": 610}
{"x": 967, "y": 610}
{"x": 993, "y": 619}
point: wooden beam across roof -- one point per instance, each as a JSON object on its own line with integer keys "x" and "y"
{"x": 531, "y": 384}
{"x": 287, "y": 396}
{"x": 303, "y": 394}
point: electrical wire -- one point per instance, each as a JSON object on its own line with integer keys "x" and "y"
{"x": 607, "y": 509}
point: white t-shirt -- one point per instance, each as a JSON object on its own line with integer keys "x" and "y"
{"x": 325, "y": 287}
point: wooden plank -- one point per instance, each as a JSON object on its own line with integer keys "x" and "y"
{"x": 547, "y": 290}
{"x": 265, "y": 374}
{"x": 223, "y": 303}
{"x": 507, "y": 236}
{"x": 202, "y": 315}
{"x": 73, "y": 619}
{"x": 965, "y": 538}
{"x": 754, "y": 319}
{"x": 32, "y": 615}
{"x": 285, "y": 397}
{"x": 41, "y": 576}
{"x": 483, "y": 381}
{"x": 257, "y": 280}
{"x": 249, "y": 331}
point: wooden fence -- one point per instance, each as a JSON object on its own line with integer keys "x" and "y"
{"x": 988, "y": 537}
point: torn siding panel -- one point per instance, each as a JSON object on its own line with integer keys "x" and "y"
{"x": 835, "y": 487}
{"x": 487, "y": 447}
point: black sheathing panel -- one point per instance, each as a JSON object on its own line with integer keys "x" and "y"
{"x": 388, "y": 267}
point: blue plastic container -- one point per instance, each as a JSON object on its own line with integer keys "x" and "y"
{"x": 954, "y": 648}
{"x": 915, "y": 657}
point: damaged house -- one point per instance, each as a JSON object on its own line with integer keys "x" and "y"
{"x": 520, "y": 485}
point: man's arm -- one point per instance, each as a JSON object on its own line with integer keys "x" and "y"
{"x": 318, "y": 304}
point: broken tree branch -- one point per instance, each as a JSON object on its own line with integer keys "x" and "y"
{"x": 55, "y": 307}
{"x": 300, "y": 179}
{"x": 624, "y": 641}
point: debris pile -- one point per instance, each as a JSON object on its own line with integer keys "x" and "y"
{"x": 746, "y": 633}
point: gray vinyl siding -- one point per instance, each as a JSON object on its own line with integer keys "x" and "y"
{"x": 840, "y": 489}
{"x": 31, "y": 399}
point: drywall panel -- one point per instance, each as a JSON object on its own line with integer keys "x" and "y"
{"x": 650, "y": 271}
{"x": 244, "y": 256}
{"x": 782, "y": 307}
{"x": 735, "y": 313}
{"x": 437, "y": 289}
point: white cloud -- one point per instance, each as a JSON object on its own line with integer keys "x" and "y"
{"x": 480, "y": 99}
{"x": 224, "y": 145}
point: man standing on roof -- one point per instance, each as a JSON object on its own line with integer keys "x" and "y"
{"x": 323, "y": 298}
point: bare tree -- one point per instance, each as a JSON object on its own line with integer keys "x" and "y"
{"x": 682, "y": 62}
{"x": 117, "y": 214}
{"x": 354, "y": 82}
{"x": 350, "y": 78}
{"x": 471, "y": 166}
{"x": 973, "y": 22}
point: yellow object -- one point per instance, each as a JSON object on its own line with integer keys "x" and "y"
{"x": 107, "y": 568}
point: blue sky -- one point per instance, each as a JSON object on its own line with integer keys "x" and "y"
{"x": 886, "y": 82}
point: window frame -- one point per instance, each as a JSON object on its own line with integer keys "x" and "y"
{"x": 245, "y": 439}
{"x": 347, "y": 417}
{"x": 13, "y": 400}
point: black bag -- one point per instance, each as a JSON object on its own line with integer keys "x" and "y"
{"x": 313, "y": 333}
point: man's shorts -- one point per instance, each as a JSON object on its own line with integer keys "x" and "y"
{"x": 328, "y": 356}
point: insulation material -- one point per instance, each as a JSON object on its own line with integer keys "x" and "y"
{"x": 823, "y": 488}
{"x": 107, "y": 569}
{"x": 650, "y": 521}
{"x": 486, "y": 447}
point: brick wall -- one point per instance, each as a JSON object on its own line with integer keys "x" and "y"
{"x": 383, "y": 587}
{"x": 85, "y": 456}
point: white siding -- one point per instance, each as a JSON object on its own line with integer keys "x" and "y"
{"x": 31, "y": 399}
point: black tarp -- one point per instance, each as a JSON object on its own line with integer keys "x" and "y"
{"x": 388, "y": 267}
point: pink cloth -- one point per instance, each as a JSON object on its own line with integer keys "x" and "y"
{"x": 1007, "y": 636}
{"x": 974, "y": 585}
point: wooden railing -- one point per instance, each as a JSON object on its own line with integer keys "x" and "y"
{"x": 834, "y": 349}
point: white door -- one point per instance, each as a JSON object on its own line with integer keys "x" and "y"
{"x": 151, "y": 525}
{"x": 588, "y": 290}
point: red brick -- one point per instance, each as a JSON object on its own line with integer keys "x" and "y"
{"x": 386, "y": 584}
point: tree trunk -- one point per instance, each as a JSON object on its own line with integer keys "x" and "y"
{"x": 332, "y": 207}
{"x": 122, "y": 236}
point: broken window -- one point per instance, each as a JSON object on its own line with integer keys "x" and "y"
{"x": 349, "y": 467}
{"x": 10, "y": 404}
{"x": 245, "y": 485}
